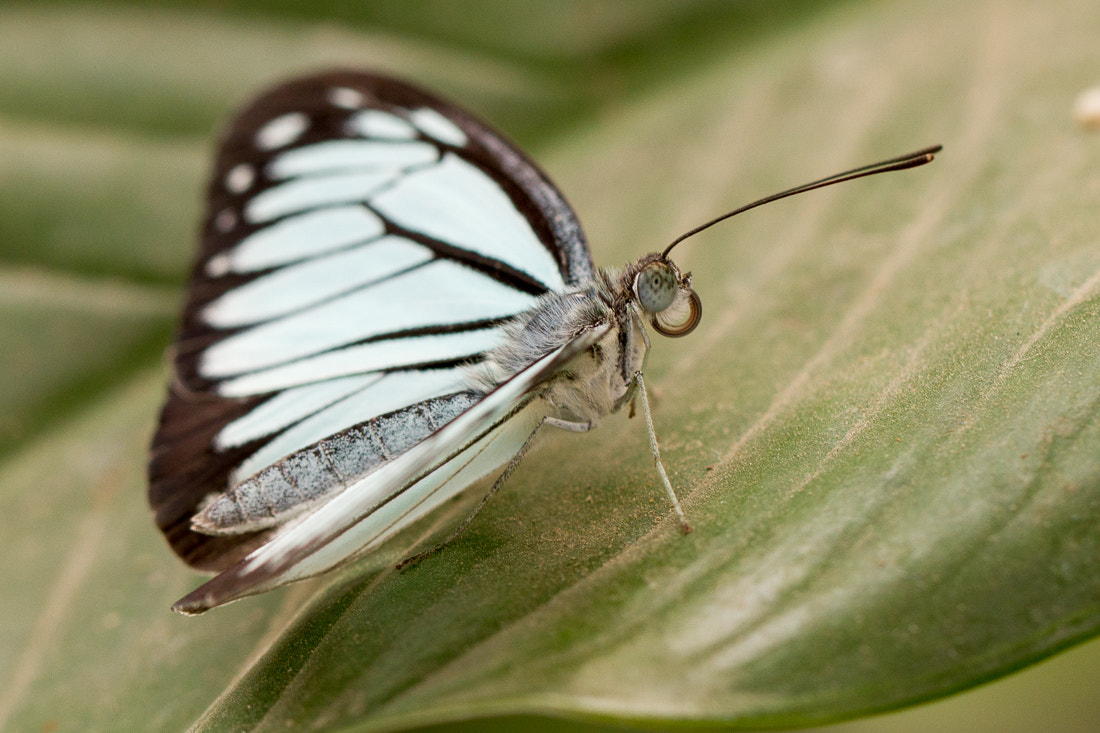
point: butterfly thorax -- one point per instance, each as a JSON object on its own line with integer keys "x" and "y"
{"x": 598, "y": 381}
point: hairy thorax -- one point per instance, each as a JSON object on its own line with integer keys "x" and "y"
{"x": 598, "y": 381}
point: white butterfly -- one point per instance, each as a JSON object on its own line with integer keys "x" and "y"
{"x": 389, "y": 302}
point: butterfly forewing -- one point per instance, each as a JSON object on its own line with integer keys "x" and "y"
{"x": 363, "y": 242}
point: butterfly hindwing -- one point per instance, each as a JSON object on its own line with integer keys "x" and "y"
{"x": 363, "y": 241}
{"x": 402, "y": 490}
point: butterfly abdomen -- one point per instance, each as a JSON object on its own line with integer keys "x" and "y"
{"x": 304, "y": 479}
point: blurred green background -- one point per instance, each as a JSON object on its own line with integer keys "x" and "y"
{"x": 108, "y": 111}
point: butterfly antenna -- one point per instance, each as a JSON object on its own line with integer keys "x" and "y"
{"x": 900, "y": 163}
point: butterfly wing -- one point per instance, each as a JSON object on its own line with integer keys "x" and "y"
{"x": 363, "y": 241}
{"x": 406, "y": 488}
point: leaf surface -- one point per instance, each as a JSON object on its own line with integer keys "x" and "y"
{"x": 884, "y": 432}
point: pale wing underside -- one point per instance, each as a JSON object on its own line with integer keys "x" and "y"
{"x": 363, "y": 243}
{"x": 371, "y": 510}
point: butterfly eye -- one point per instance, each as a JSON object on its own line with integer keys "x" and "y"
{"x": 674, "y": 307}
{"x": 656, "y": 286}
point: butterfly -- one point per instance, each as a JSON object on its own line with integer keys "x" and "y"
{"x": 389, "y": 303}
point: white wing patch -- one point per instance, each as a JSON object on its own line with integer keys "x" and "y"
{"x": 287, "y": 408}
{"x": 377, "y": 397}
{"x": 442, "y": 292}
{"x": 281, "y": 131}
{"x": 303, "y": 194}
{"x": 435, "y": 125}
{"x": 338, "y": 155}
{"x": 309, "y": 235}
{"x": 456, "y": 202}
{"x": 305, "y": 284}
{"x": 373, "y": 123}
{"x": 347, "y": 97}
{"x": 361, "y": 358}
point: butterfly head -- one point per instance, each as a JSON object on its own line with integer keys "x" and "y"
{"x": 666, "y": 296}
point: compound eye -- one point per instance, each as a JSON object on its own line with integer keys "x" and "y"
{"x": 656, "y": 286}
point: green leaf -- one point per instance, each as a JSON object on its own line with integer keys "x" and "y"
{"x": 884, "y": 432}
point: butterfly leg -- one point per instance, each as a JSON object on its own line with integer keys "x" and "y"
{"x": 656, "y": 451}
{"x": 575, "y": 427}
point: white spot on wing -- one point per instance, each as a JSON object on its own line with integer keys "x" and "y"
{"x": 336, "y": 155}
{"x": 346, "y": 97}
{"x": 374, "y": 123}
{"x": 240, "y": 178}
{"x": 281, "y": 131}
{"x": 435, "y": 125}
{"x": 218, "y": 265}
{"x": 441, "y": 292}
{"x": 458, "y": 203}
{"x": 225, "y": 220}
{"x": 310, "y": 193}
{"x": 288, "y": 408}
{"x": 309, "y": 235}
{"x": 361, "y": 358}
{"x": 385, "y": 394}
{"x": 312, "y": 281}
